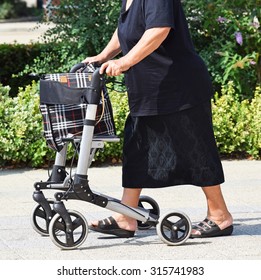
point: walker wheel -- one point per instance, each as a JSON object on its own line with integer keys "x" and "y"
{"x": 39, "y": 220}
{"x": 174, "y": 228}
{"x": 60, "y": 235}
{"x": 150, "y": 204}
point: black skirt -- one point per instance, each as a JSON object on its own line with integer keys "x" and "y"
{"x": 169, "y": 150}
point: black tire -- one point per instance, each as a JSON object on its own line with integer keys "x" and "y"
{"x": 58, "y": 234}
{"x": 150, "y": 204}
{"x": 174, "y": 228}
{"x": 39, "y": 220}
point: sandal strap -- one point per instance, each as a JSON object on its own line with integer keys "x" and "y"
{"x": 210, "y": 223}
{"x": 108, "y": 223}
{"x": 112, "y": 221}
{"x": 104, "y": 222}
{"x": 205, "y": 225}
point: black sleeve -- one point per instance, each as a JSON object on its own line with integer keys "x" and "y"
{"x": 158, "y": 13}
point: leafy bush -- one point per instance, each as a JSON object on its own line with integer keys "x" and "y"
{"x": 82, "y": 28}
{"x": 21, "y": 138}
{"x": 13, "y": 60}
{"x": 227, "y": 35}
{"x": 53, "y": 57}
{"x": 10, "y": 9}
{"x": 5, "y": 10}
{"x": 18, "y": 62}
{"x": 237, "y": 123}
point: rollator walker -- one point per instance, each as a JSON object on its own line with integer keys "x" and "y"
{"x": 68, "y": 229}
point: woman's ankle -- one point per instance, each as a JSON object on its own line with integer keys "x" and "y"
{"x": 223, "y": 220}
{"x": 125, "y": 222}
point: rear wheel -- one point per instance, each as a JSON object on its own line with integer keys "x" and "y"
{"x": 150, "y": 204}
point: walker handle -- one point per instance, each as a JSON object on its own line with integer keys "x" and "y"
{"x": 82, "y": 66}
{"x": 77, "y": 67}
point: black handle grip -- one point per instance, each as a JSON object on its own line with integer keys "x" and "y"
{"x": 84, "y": 67}
{"x": 96, "y": 78}
{"x": 77, "y": 67}
{"x": 94, "y": 91}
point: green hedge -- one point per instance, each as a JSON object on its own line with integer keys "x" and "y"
{"x": 17, "y": 60}
{"x": 236, "y": 123}
{"x": 13, "y": 59}
{"x": 21, "y": 140}
{"x": 20, "y": 128}
{"x": 10, "y": 9}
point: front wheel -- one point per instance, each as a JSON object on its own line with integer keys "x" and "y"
{"x": 174, "y": 228}
{"x": 39, "y": 220}
{"x": 65, "y": 238}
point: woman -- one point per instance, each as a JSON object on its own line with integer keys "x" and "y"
{"x": 168, "y": 136}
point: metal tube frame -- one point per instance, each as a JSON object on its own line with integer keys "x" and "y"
{"x": 81, "y": 189}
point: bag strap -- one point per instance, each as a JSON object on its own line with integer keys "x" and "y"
{"x": 103, "y": 107}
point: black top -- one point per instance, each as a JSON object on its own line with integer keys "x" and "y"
{"x": 173, "y": 77}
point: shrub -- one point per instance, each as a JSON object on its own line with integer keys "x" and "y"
{"x": 10, "y": 9}
{"x": 82, "y": 28}
{"x": 18, "y": 61}
{"x": 254, "y": 117}
{"x": 21, "y": 138}
{"x": 237, "y": 123}
{"x": 227, "y": 35}
{"x": 13, "y": 59}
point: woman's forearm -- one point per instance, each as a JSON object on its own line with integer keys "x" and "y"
{"x": 112, "y": 49}
{"x": 150, "y": 41}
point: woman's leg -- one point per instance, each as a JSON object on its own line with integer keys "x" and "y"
{"x": 130, "y": 197}
{"x": 217, "y": 211}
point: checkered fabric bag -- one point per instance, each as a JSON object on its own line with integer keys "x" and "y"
{"x": 63, "y": 108}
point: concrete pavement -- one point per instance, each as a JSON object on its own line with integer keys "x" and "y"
{"x": 242, "y": 190}
{"x": 22, "y": 32}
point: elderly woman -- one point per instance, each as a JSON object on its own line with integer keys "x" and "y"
{"x": 168, "y": 136}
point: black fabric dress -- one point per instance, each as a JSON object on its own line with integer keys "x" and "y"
{"x": 169, "y": 137}
{"x": 173, "y": 149}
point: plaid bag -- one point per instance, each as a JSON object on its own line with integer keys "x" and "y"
{"x": 63, "y": 108}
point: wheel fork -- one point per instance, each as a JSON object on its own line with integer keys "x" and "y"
{"x": 39, "y": 197}
{"x": 61, "y": 210}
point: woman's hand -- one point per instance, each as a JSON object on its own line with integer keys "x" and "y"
{"x": 111, "y": 68}
{"x": 97, "y": 58}
{"x": 114, "y": 67}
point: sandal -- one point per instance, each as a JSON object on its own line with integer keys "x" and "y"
{"x": 208, "y": 228}
{"x": 110, "y": 226}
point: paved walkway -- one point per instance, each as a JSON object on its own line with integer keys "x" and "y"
{"x": 21, "y": 32}
{"x": 242, "y": 190}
